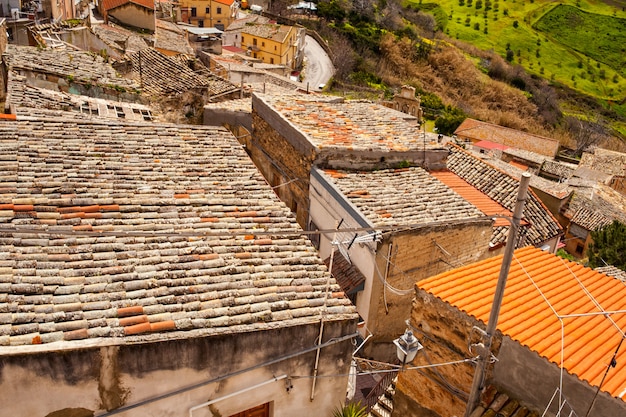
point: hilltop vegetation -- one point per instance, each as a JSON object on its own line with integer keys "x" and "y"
{"x": 511, "y": 65}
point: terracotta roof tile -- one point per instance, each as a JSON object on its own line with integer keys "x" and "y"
{"x": 589, "y": 341}
{"x": 482, "y": 131}
{"x": 502, "y": 188}
{"x": 405, "y": 196}
{"x": 151, "y": 264}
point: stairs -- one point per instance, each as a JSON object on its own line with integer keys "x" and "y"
{"x": 384, "y": 406}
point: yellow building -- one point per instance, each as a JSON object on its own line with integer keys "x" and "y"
{"x": 273, "y": 44}
{"x": 208, "y": 13}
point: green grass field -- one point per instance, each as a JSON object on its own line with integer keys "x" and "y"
{"x": 580, "y": 45}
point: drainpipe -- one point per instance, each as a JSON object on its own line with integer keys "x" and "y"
{"x": 269, "y": 381}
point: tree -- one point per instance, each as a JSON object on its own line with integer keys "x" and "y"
{"x": 515, "y": 24}
{"x": 331, "y": 10}
{"x": 510, "y": 55}
{"x": 449, "y": 121}
{"x": 609, "y": 246}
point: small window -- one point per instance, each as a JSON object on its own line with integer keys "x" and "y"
{"x": 87, "y": 108}
{"x": 242, "y": 39}
{"x": 193, "y": 12}
{"x": 274, "y": 47}
{"x": 219, "y": 10}
{"x": 263, "y": 44}
{"x": 207, "y": 10}
{"x": 119, "y": 112}
{"x": 579, "y": 248}
{"x": 254, "y": 41}
{"x": 200, "y": 23}
{"x": 271, "y": 60}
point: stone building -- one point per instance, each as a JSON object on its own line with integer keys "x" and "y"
{"x": 558, "y": 333}
{"x": 475, "y": 131}
{"x": 395, "y": 227}
{"x": 148, "y": 268}
{"x": 293, "y": 133}
{"x": 407, "y": 102}
{"x": 133, "y": 13}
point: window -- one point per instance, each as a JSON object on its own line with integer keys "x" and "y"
{"x": 242, "y": 39}
{"x": 271, "y": 60}
{"x": 219, "y": 10}
{"x": 145, "y": 114}
{"x": 579, "y": 248}
{"x": 200, "y": 23}
{"x": 193, "y": 12}
{"x": 263, "y": 44}
{"x": 254, "y": 41}
{"x": 274, "y": 47}
{"x": 314, "y": 237}
{"x": 119, "y": 112}
{"x": 88, "y": 108}
{"x": 207, "y": 10}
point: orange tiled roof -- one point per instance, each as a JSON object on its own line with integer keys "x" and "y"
{"x": 589, "y": 341}
{"x": 474, "y": 196}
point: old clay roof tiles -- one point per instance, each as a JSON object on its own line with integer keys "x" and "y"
{"x": 541, "y": 286}
{"x": 145, "y": 231}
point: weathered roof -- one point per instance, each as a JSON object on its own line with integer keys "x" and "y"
{"x": 162, "y": 74}
{"x": 597, "y": 207}
{"x": 553, "y": 188}
{"x": 560, "y": 169}
{"x": 525, "y": 155}
{"x": 329, "y": 122}
{"x": 348, "y": 276}
{"x": 612, "y": 271}
{"x": 502, "y": 188}
{"x": 170, "y": 37}
{"x": 606, "y": 161}
{"x": 477, "y": 131}
{"x": 119, "y": 38}
{"x": 27, "y": 99}
{"x": 408, "y": 196}
{"x": 541, "y": 285}
{"x": 77, "y": 65}
{"x": 278, "y": 33}
{"x": 238, "y": 24}
{"x": 114, "y": 229}
{"x": 112, "y": 4}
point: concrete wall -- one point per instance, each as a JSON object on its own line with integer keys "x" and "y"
{"x": 85, "y": 39}
{"x": 92, "y": 379}
{"x": 533, "y": 379}
{"x": 133, "y": 15}
{"x": 218, "y": 117}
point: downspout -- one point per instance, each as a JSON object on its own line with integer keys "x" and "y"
{"x": 225, "y": 397}
{"x": 321, "y": 334}
{"x": 386, "y": 275}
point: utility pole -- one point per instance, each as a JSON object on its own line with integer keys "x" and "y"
{"x": 485, "y": 353}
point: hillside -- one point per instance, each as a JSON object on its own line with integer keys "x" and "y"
{"x": 504, "y": 72}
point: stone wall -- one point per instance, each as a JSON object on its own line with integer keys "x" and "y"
{"x": 167, "y": 378}
{"x": 444, "y": 331}
{"x": 282, "y": 161}
{"x": 135, "y": 16}
{"x": 413, "y": 256}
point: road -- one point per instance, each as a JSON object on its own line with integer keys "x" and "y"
{"x": 318, "y": 67}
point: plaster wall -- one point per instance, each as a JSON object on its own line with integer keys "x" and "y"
{"x": 218, "y": 117}
{"x": 533, "y": 380}
{"x": 132, "y": 15}
{"x": 328, "y": 208}
{"x": 167, "y": 378}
